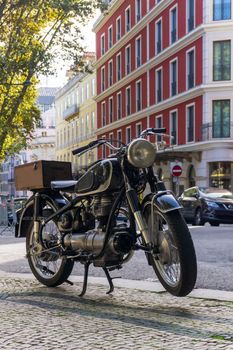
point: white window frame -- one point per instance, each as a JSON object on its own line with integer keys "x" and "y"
{"x": 93, "y": 87}
{"x": 110, "y": 28}
{"x": 118, "y": 55}
{"x": 126, "y": 134}
{"x": 136, "y": 11}
{"x": 103, "y": 82}
{"x": 87, "y": 91}
{"x": 111, "y": 99}
{"x": 194, "y": 16}
{"x": 110, "y": 62}
{"x": 170, "y": 24}
{"x": 92, "y": 121}
{"x": 137, "y": 82}
{"x": 157, "y": 117}
{"x": 102, "y": 115}
{"x": 128, "y": 46}
{"x": 102, "y": 44}
{"x": 136, "y": 43}
{"x": 126, "y": 100}
{"x": 187, "y": 70}
{"x": 119, "y": 131}
{"x": 156, "y": 84}
{"x": 170, "y": 75}
{"x": 156, "y": 23}
{"x": 170, "y": 124}
{"x": 119, "y": 93}
{"x": 118, "y": 20}
{"x": 126, "y": 10}
{"x": 186, "y": 121}
{"x": 136, "y": 129}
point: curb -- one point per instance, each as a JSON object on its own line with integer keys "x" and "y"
{"x": 143, "y": 286}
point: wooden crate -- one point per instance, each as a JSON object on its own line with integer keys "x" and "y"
{"x": 38, "y": 175}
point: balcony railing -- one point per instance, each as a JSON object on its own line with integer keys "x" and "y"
{"x": 212, "y": 132}
{"x": 70, "y": 111}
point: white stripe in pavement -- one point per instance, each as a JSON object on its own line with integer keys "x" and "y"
{"x": 12, "y": 252}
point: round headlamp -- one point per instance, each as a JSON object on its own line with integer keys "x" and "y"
{"x": 141, "y": 153}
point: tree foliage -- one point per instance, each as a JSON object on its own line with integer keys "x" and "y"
{"x": 32, "y": 33}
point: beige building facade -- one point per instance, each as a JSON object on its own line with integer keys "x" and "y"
{"x": 76, "y": 119}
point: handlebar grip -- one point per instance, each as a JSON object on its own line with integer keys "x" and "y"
{"x": 158, "y": 130}
{"x": 79, "y": 150}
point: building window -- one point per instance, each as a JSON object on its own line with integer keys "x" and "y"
{"x": 118, "y": 66}
{"x": 221, "y": 119}
{"x": 173, "y": 25}
{"x": 138, "y": 95}
{"x": 138, "y": 129}
{"x": 92, "y": 121}
{"x": 138, "y": 52}
{"x": 110, "y": 37}
{"x": 93, "y": 87}
{"x": 118, "y": 28}
{"x": 82, "y": 94}
{"x": 119, "y": 106}
{"x": 190, "y": 69}
{"x": 128, "y": 59}
{"x": 221, "y": 10}
{"x": 173, "y": 78}
{"x": 173, "y": 127}
{"x": 159, "y": 124}
{"x": 119, "y": 136}
{"x": 87, "y": 124}
{"x": 110, "y": 73}
{"x": 190, "y": 14}
{"x": 158, "y": 33}
{"x": 87, "y": 91}
{"x": 221, "y": 175}
{"x": 190, "y": 123}
{"x": 159, "y": 85}
{"x": 111, "y": 110}
{"x": 103, "y": 114}
{"x": 103, "y": 78}
{"x": 138, "y": 10}
{"x": 128, "y": 100}
{"x": 102, "y": 44}
{"x": 128, "y": 134}
{"x": 222, "y": 60}
{"x": 127, "y": 20}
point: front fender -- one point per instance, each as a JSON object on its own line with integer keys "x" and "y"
{"x": 164, "y": 201}
{"x": 26, "y": 215}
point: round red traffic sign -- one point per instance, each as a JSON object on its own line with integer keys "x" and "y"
{"x": 176, "y": 170}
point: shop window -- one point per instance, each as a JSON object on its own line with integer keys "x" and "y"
{"x": 220, "y": 174}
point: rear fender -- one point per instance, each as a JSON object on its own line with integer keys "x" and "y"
{"x": 164, "y": 201}
{"x": 26, "y": 216}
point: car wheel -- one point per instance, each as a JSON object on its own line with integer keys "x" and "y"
{"x": 214, "y": 224}
{"x": 198, "y": 221}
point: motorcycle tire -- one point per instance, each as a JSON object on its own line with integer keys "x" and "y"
{"x": 174, "y": 261}
{"x": 43, "y": 265}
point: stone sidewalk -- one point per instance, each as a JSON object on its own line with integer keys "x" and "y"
{"x": 36, "y": 317}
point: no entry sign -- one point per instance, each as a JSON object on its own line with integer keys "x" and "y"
{"x": 176, "y": 170}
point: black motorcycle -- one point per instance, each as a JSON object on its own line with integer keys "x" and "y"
{"x": 103, "y": 218}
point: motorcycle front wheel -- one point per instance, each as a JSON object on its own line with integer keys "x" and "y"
{"x": 48, "y": 266}
{"x": 173, "y": 258}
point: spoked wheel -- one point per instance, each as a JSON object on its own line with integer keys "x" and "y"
{"x": 48, "y": 265}
{"x": 173, "y": 258}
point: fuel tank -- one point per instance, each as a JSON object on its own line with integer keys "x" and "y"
{"x": 106, "y": 175}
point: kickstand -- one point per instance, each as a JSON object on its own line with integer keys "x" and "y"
{"x": 110, "y": 279}
{"x": 86, "y": 270}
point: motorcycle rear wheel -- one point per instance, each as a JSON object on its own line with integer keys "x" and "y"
{"x": 49, "y": 267}
{"x": 174, "y": 262}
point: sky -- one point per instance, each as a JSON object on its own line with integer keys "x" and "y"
{"x": 60, "y": 78}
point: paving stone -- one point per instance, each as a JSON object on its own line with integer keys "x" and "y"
{"x": 36, "y": 317}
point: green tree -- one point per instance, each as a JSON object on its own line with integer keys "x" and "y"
{"x": 32, "y": 34}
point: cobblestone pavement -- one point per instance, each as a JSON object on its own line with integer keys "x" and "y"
{"x": 36, "y": 317}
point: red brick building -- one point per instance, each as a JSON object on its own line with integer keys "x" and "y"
{"x": 163, "y": 63}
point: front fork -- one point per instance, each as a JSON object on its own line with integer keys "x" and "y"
{"x": 133, "y": 201}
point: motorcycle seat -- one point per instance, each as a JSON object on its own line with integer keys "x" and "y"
{"x": 67, "y": 186}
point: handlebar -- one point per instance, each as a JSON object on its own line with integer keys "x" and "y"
{"x": 148, "y": 131}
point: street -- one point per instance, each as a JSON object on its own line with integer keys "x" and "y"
{"x": 214, "y": 249}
